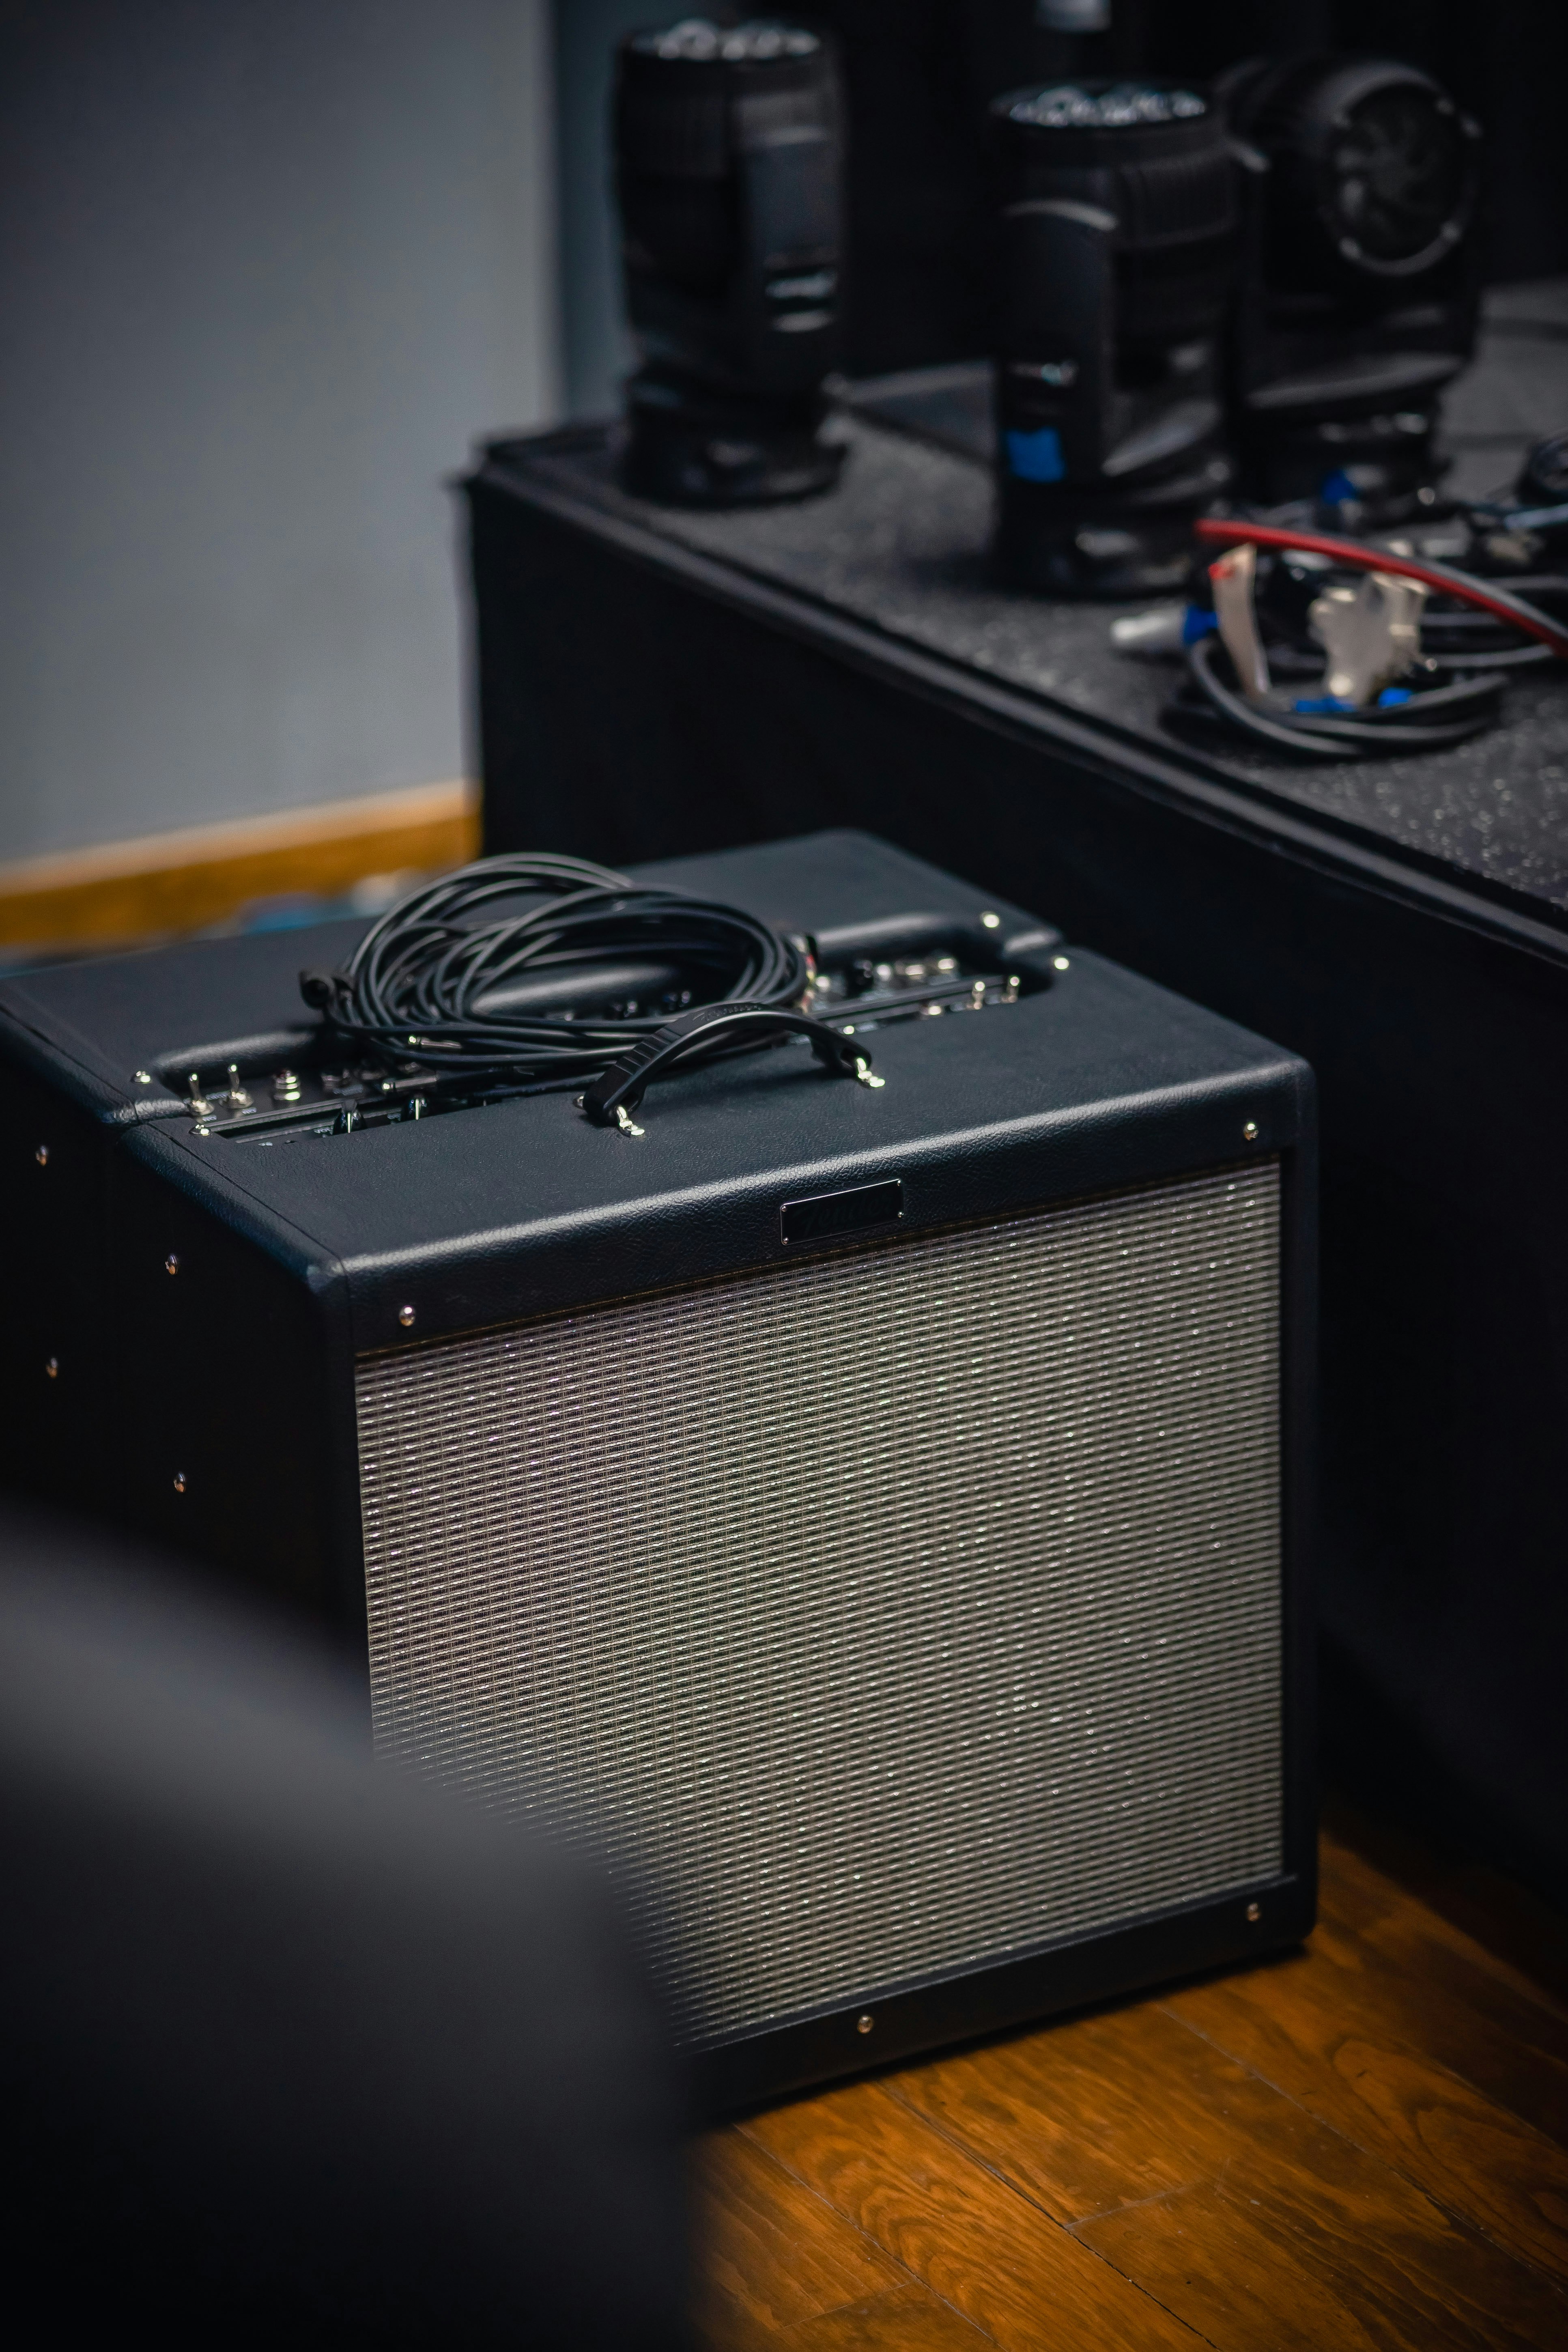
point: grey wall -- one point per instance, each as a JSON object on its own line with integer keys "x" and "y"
{"x": 595, "y": 350}
{"x": 268, "y": 267}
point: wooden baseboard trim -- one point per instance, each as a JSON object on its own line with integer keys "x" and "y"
{"x": 125, "y": 891}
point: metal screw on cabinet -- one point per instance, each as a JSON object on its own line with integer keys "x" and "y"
{"x": 1249, "y": 1132}
{"x": 144, "y": 1078}
{"x": 405, "y": 1316}
{"x": 171, "y": 1264}
{"x": 864, "y": 2023}
{"x": 52, "y": 1369}
{"x": 179, "y": 1482}
{"x": 1254, "y": 1913}
{"x": 992, "y": 923}
{"x": 42, "y": 1155}
{"x": 1060, "y": 963}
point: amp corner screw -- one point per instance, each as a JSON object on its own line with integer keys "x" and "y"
{"x": 1254, "y": 1913}
{"x": 1249, "y": 1132}
{"x": 992, "y": 923}
{"x": 405, "y": 1316}
{"x": 144, "y": 1078}
{"x": 1061, "y": 963}
{"x": 864, "y": 2022}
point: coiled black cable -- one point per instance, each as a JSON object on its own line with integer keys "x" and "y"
{"x": 1431, "y": 720}
{"x": 426, "y": 984}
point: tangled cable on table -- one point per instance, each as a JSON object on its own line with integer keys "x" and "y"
{"x": 1493, "y": 596}
{"x": 1432, "y": 710}
{"x": 1433, "y": 720}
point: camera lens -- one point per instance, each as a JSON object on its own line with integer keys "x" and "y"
{"x": 729, "y": 171}
{"x": 1118, "y": 229}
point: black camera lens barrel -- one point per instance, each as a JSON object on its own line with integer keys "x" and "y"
{"x": 728, "y": 153}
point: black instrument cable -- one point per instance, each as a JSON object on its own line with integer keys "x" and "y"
{"x": 1493, "y": 596}
{"x": 426, "y": 987}
{"x": 1434, "y": 718}
{"x": 1430, "y": 713}
{"x": 1478, "y": 641}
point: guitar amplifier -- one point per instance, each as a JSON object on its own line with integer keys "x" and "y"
{"x": 877, "y": 1521}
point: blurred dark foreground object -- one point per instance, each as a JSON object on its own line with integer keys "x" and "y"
{"x": 290, "y": 2047}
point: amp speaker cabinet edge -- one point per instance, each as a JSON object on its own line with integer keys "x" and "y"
{"x": 879, "y": 1522}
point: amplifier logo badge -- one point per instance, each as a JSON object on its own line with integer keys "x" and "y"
{"x": 827, "y": 1213}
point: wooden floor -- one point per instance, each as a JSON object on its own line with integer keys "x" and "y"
{"x": 1358, "y": 2145}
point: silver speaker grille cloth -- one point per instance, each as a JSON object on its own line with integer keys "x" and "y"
{"x": 883, "y": 1613}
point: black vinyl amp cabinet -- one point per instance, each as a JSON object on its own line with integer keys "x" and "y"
{"x": 878, "y": 1520}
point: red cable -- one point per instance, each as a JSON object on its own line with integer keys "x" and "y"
{"x": 1218, "y": 531}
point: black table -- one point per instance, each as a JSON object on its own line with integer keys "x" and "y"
{"x": 654, "y": 684}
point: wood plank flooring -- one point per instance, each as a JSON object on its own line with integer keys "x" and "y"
{"x": 1361, "y": 2145}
